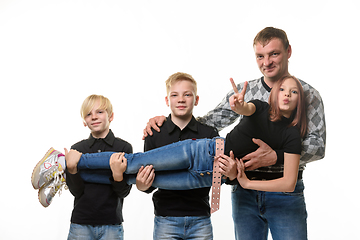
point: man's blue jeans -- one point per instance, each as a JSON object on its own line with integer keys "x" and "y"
{"x": 172, "y": 228}
{"x": 255, "y": 212}
{"x": 182, "y": 165}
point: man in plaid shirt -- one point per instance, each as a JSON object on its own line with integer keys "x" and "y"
{"x": 255, "y": 212}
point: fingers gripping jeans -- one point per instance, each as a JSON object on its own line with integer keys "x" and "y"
{"x": 182, "y": 165}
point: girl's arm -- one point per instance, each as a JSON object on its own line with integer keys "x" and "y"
{"x": 237, "y": 102}
{"x": 285, "y": 184}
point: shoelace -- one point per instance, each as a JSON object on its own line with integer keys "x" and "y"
{"x": 59, "y": 182}
{"x": 51, "y": 174}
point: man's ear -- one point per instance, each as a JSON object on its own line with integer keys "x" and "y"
{"x": 289, "y": 51}
{"x": 85, "y": 125}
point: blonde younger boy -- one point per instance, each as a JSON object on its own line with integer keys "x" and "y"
{"x": 97, "y": 207}
{"x": 97, "y": 212}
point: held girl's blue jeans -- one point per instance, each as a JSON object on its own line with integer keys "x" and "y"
{"x": 182, "y": 165}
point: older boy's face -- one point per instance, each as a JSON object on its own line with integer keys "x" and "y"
{"x": 182, "y": 99}
{"x": 98, "y": 121}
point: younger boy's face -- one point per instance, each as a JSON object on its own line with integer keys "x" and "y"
{"x": 98, "y": 121}
{"x": 182, "y": 99}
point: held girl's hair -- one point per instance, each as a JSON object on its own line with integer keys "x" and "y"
{"x": 298, "y": 115}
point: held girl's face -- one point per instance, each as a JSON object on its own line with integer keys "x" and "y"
{"x": 288, "y": 97}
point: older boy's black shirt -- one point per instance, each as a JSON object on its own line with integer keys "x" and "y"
{"x": 98, "y": 204}
{"x": 179, "y": 203}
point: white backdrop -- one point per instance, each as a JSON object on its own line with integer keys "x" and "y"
{"x": 54, "y": 53}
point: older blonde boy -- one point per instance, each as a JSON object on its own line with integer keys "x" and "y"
{"x": 179, "y": 214}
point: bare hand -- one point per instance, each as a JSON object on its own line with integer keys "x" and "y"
{"x": 264, "y": 156}
{"x": 241, "y": 176}
{"x": 228, "y": 166}
{"x": 145, "y": 178}
{"x": 72, "y": 158}
{"x": 154, "y": 123}
{"x": 118, "y": 164}
{"x": 236, "y": 101}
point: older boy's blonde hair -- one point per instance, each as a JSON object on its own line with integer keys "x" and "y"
{"x": 90, "y": 102}
{"x": 179, "y": 76}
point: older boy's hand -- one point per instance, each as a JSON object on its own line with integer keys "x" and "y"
{"x": 118, "y": 164}
{"x": 228, "y": 166}
{"x": 145, "y": 178}
{"x": 154, "y": 123}
{"x": 72, "y": 158}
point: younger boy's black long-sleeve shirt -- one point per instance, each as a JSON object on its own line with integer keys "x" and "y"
{"x": 98, "y": 204}
{"x": 180, "y": 203}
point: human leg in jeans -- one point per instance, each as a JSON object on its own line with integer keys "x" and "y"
{"x": 91, "y": 232}
{"x": 188, "y": 159}
{"x": 179, "y": 166}
{"x": 194, "y": 227}
{"x": 257, "y": 212}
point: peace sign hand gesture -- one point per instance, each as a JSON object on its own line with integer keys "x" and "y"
{"x": 237, "y": 103}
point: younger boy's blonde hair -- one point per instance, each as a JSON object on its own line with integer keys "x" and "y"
{"x": 89, "y": 104}
{"x": 179, "y": 76}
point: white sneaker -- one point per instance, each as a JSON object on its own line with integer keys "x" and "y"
{"x": 46, "y": 169}
{"x": 48, "y": 191}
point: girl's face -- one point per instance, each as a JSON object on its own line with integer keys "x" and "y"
{"x": 288, "y": 97}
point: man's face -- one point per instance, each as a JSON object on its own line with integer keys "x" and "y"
{"x": 272, "y": 59}
{"x": 182, "y": 99}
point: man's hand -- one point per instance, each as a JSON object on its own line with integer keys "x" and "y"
{"x": 154, "y": 123}
{"x": 228, "y": 166}
{"x": 118, "y": 164}
{"x": 72, "y": 158}
{"x": 264, "y": 156}
{"x": 145, "y": 178}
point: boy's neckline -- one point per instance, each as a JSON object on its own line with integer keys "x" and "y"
{"x": 101, "y": 135}
{"x": 181, "y": 123}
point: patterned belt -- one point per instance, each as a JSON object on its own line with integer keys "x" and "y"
{"x": 216, "y": 184}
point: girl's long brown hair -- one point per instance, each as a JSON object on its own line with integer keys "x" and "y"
{"x": 298, "y": 115}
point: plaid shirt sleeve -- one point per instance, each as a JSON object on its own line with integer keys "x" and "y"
{"x": 314, "y": 142}
{"x": 222, "y": 115}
